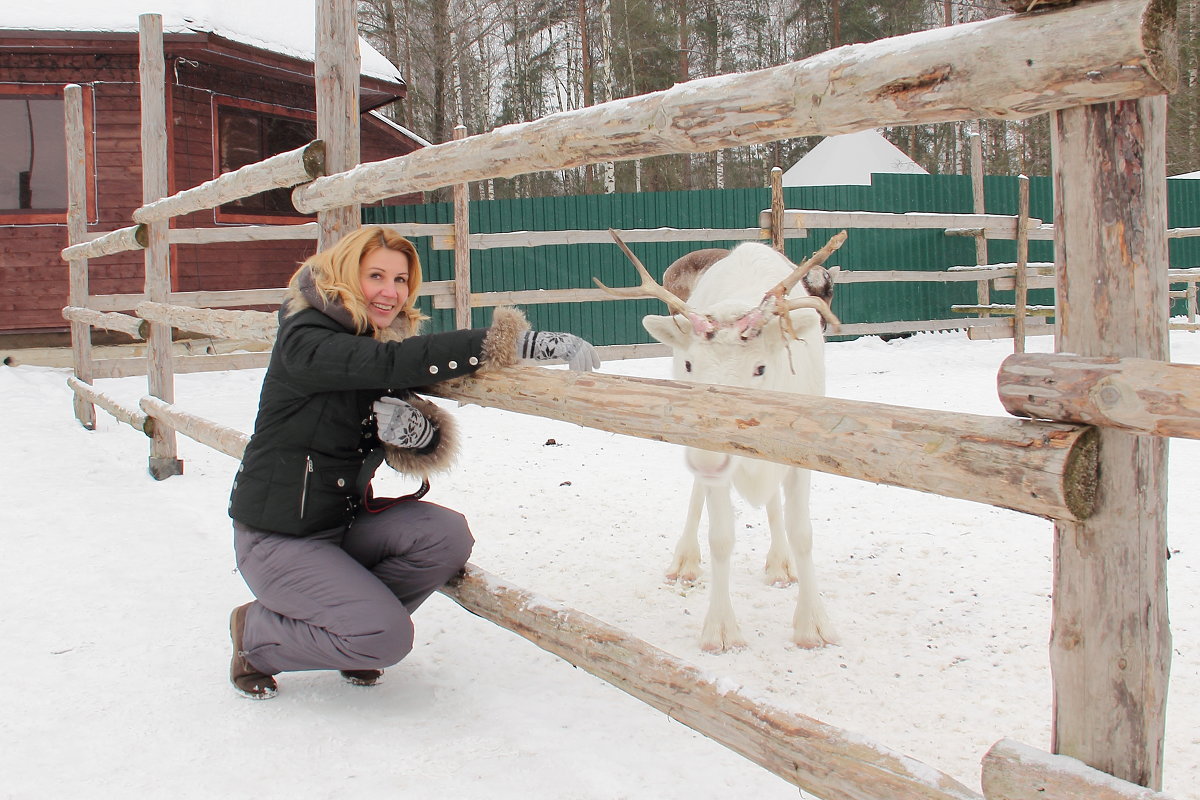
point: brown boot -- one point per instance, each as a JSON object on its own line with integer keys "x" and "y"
{"x": 248, "y": 681}
{"x": 362, "y": 677}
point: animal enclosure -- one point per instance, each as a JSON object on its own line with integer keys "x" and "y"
{"x": 1102, "y": 486}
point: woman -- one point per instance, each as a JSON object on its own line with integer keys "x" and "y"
{"x": 336, "y": 571}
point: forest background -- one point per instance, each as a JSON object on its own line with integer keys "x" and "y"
{"x": 483, "y": 64}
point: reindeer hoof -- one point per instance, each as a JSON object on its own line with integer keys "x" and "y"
{"x": 717, "y": 648}
{"x": 721, "y": 637}
{"x": 682, "y": 578}
{"x": 815, "y": 638}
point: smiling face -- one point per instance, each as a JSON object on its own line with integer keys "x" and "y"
{"x": 383, "y": 276}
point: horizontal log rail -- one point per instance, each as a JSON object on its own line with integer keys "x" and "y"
{"x": 1003, "y": 308}
{"x": 830, "y": 762}
{"x": 229, "y": 441}
{"x": 181, "y": 365}
{"x": 1042, "y": 233}
{"x": 1046, "y": 469}
{"x": 132, "y": 417}
{"x": 1140, "y": 395}
{"x": 986, "y": 329}
{"x": 277, "y": 172}
{"x": 1014, "y": 771}
{"x": 306, "y": 230}
{"x": 1009, "y": 67}
{"x": 256, "y": 325}
{"x": 1182, "y": 233}
{"x": 121, "y": 240}
{"x": 1002, "y": 225}
{"x": 237, "y": 297}
{"x": 528, "y": 297}
{"x": 488, "y": 241}
{"x": 123, "y": 323}
{"x": 243, "y": 233}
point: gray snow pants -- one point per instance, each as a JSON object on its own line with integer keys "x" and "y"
{"x": 342, "y": 599}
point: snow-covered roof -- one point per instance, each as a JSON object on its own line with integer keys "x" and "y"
{"x": 848, "y": 160}
{"x": 278, "y": 26}
{"x": 421, "y": 140}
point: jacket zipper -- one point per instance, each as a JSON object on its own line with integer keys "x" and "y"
{"x": 308, "y": 468}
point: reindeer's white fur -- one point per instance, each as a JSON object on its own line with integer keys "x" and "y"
{"x": 725, "y": 291}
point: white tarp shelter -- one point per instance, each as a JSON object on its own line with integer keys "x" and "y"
{"x": 848, "y": 160}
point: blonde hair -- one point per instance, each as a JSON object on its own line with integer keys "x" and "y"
{"x": 336, "y": 273}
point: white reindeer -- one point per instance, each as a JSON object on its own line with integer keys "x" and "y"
{"x": 734, "y": 323}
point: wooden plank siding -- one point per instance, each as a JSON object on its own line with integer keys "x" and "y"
{"x": 34, "y": 278}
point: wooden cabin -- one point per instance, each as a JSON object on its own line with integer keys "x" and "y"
{"x": 235, "y": 95}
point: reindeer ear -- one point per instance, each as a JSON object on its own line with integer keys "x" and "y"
{"x": 674, "y": 331}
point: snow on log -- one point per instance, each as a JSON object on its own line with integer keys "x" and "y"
{"x": 1005, "y": 68}
{"x": 131, "y": 417}
{"x": 1047, "y": 469}
{"x": 1014, "y": 771}
{"x": 282, "y": 171}
{"x": 229, "y": 441}
{"x": 137, "y": 328}
{"x": 832, "y": 763}
{"x": 1137, "y": 394}
{"x": 256, "y": 325}
{"x": 118, "y": 241}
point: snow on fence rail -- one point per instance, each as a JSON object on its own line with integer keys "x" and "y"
{"x": 1083, "y": 63}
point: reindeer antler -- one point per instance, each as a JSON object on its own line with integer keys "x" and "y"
{"x": 776, "y": 301}
{"x": 781, "y": 289}
{"x": 648, "y": 288}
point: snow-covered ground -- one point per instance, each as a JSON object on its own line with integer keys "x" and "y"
{"x": 116, "y": 592}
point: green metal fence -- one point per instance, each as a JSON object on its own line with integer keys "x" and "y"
{"x": 618, "y": 322}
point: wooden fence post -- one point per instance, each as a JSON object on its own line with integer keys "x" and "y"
{"x": 777, "y": 208}
{"x": 1110, "y": 648}
{"x": 337, "y": 71}
{"x": 462, "y": 247}
{"x": 159, "y": 370}
{"x": 1021, "y": 278}
{"x": 983, "y": 289}
{"x": 81, "y": 332}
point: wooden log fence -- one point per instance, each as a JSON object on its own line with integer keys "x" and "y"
{"x": 118, "y": 241}
{"x": 999, "y": 226}
{"x": 135, "y": 419}
{"x": 160, "y": 377}
{"x": 832, "y": 763}
{"x": 1008, "y": 68}
{"x": 282, "y": 171}
{"x": 1135, "y": 394}
{"x": 257, "y": 325}
{"x": 78, "y": 279}
{"x": 137, "y": 328}
{"x": 1014, "y": 771}
{"x": 1047, "y": 470}
{"x": 229, "y": 441}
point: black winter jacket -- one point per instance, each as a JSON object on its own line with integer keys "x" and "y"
{"x": 314, "y": 447}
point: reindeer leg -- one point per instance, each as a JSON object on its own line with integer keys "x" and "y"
{"x": 779, "y": 557}
{"x": 685, "y": 566}
{"x": 811, "y": 627}
{"x": 721, "y": 630}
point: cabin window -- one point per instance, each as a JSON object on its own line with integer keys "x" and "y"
{"x": 246, "y": 136}
{"x": 33, "y": 154}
